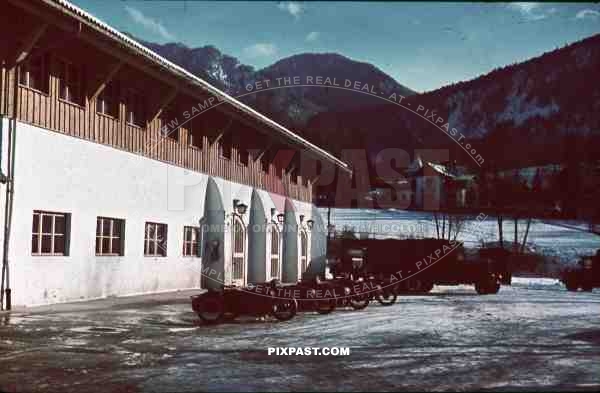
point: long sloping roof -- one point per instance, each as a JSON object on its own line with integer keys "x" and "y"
{"x": 76, "y": 12}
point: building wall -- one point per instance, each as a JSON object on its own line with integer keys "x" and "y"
{"x": 60, "y": 173}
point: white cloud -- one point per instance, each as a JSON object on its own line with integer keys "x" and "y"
{"x": 587, "y": 14}
{"x": 525, "y": 8}
{"x": 260, "y": 49}
{"x": 312, "y": 36}
{"x": 292, "y": 7}
{"x": 531, "y": 11}
{"x": 148, "y": 23}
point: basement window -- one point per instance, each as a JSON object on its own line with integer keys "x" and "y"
{"x": 50, "y": 233}
{"x": 155, "y": 240}
{"x": 190, "y": 241}
{"x": 109, "y": 236}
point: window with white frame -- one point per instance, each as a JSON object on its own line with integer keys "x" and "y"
{"x": 303, "y": 250}
{"x": 109, "y": 236}
{"x": 50, "y": 233}
{"x": 155, "y": 240}
{"x": 191, "y": 237}
{"x": 275, "y": 251}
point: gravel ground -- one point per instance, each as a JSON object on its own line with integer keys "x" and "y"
{"x": 526, "y": 337}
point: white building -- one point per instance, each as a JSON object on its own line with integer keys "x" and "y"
{"x": 130, "y": 175}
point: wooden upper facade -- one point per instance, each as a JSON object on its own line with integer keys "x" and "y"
{"x": 72, "y": 79}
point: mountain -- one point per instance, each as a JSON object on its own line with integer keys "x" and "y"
{"x": 531, "y": 113}
{"x": 207, "y": 62}
{"x": 543, "y": 110}
{"x": 294, "y": 106}
{"x": 300, "y": 103}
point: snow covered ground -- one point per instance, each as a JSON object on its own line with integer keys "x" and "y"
{"x": 561, "y": 240}
{"x": 533, "y": 336}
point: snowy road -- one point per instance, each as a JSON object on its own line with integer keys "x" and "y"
{"x": 526, "y": 337}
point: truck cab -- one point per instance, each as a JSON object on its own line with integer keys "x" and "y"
{"x": 584, "y": 276}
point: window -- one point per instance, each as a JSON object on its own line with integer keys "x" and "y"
{"x": 294, "y": 175}
{"x": 303, "y": 251}
{"x": 109, "y": 236}
{"x": 50, "y": 233}
{"x": 304, "y": 180}
{"x": 226, "y": 145}
{"x": 241, "y": 145}
{"x": 265, "y": 162}
{"x": 244, "y": 155}
{"x": 169, "y": 124}
{"x": 70, "y": 82}
{"x": 155, "y": 240}
{"x": 194, "y": 136}
{"x": 107, "y": 102}
{"x": 239, "y": 259}
{"x": 275, "y": 246}
{"x": 135, "y": 109}
{"x": 294, "y": 167}
{"x": 190, "y": 241}
{"x": 34, "y": 73}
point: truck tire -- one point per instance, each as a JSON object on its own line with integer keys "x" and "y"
{"x": 211, "y": 308}
{"x": 359, "y": 302}
{"x": 284, "y": 309}
{"x": 494, "y": 288}
{"x": 571, "y": 286}
{"x": 481, "y": 288}
{"x": 426, "y": 287}
{"x": 387, "y": 298}
{"x": 487, "y": 286}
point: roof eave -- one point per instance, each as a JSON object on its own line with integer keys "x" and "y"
{"x": 131, "y": 44}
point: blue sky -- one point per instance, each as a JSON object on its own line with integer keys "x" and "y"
{"x": 422, "y": 45}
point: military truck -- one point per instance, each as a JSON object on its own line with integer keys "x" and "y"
{"x": 584, "y": 276}
{"x": 419, "y": 264}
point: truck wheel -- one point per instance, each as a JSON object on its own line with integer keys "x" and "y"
{"x": 571, "y": 286}
{"x": 387, "y": 298}
{"x": 427, "y": 287}
{"x": 481, "y": 288}
{"x": 284, "y": 309}
{"x": 211, "y": 308}
{"x": 487, "y": 286}
{"x": 494, "y": 288}
{"x": 359, "y": 302}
